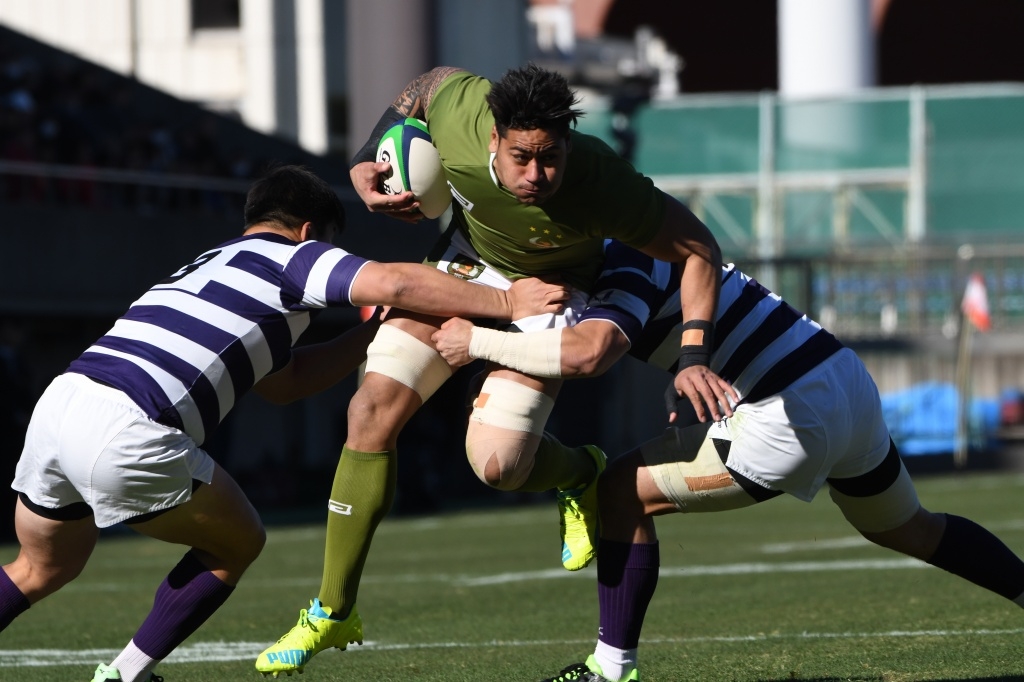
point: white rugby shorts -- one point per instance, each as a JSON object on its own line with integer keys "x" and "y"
{"x": 461, "y": 260}
{"x": 826, "y": 424}
{"x": 90, "y": 443}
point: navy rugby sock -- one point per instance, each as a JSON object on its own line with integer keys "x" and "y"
{"x": 627, "y": 575}
{"x": 12, "y": 602}
{"x": 973, "y": 553}
{"x": 185, "y": 599}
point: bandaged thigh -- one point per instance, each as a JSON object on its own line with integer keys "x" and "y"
{"x": 688, "y": 469}
{"x": 883, "y": 511}
{"x": 504, "y": 430}
{"x": 401, "y": 356}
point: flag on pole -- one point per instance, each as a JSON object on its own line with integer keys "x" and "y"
{"x": 975, "y": 303}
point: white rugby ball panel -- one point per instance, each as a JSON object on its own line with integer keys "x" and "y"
{"x": 415, "y": 166}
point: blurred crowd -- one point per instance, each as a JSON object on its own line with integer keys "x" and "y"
{"x": 55, "y": 109}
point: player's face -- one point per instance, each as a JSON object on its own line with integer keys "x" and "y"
{"x": 530, "y": 163}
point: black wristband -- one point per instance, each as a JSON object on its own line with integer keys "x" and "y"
{"x": 697, "y": 354}
{"x": 369, "y": 150}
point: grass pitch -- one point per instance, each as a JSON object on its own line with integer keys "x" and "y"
{"x": 781, "y": 591}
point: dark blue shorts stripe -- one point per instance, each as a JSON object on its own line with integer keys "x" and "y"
{"x": 873, "y": 482}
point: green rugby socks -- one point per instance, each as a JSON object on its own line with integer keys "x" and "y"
{"x": 558, "y": 466}
{"x": 362, "y": 494}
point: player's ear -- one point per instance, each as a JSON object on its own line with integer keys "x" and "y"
{"x": 493, "y": 146}
{"x": 306, "y": 232}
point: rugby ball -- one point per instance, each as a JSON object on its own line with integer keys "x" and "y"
{"x": 415, "y": 166}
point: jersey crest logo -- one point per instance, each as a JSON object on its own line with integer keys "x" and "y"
{"x": 545, "y": 241}
{"x": 463, "y": 201}
{"x": 464, "y": 267}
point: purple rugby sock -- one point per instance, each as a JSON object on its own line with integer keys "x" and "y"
{"x": 12, "y": 602}
{"x": 627, "y": 576}
{"x": 185, "y": 599}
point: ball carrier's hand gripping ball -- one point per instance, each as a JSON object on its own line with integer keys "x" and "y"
{"x": 415, "y": 166}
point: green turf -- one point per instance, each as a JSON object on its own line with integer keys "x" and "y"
{"x": 480, "y": 596}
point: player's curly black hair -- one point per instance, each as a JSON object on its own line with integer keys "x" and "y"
{"x": 531, "y": 98}
{"x": 292, "y": 195}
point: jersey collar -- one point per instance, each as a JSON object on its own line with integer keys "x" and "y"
{"x": 490, "y": 167}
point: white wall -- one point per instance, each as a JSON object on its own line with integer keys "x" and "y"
{"x": 203, "y": 67}
{"x": 97, "y": 30}
{"x": 276, "y": 70}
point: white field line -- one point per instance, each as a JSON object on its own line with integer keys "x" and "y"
{"x": 757, "y": 567}
{"x": 248, "y": 651}
{"x": 854, "y": 541}
{"x": 723, "y": 569}
{"x": 561, "y": 574}
{"x": 811, "y": 545}
{"x": 236, "y": 651}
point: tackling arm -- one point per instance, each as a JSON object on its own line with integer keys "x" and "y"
{"x": 684, "y": 239}
{"x": 585, "y": 350}
{"x": 422, "y": 289}
{"x": 317, "y": 367}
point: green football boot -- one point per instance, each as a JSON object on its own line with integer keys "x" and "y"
{"x": 108, "y": 673}
{"x": 314, "y": 632}
{"x": 589, "y": 672}
{"x": 578, "y": 523}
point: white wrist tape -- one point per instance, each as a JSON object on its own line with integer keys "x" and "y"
{"x": 537, "y": 353}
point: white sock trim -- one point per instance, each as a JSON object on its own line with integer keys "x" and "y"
{"x": 615, "y": 663}
{"x": 133, "y": 664}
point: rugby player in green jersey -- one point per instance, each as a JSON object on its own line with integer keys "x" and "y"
{"x": 532, "y": 197}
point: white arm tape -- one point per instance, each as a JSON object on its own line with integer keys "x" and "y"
{"x": 538, "y": 353}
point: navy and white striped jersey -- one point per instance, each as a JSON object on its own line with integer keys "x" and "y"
{"x": 192, "y": 345}
{"x": 761, "y": 344}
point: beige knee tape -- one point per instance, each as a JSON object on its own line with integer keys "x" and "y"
{"x": 504, "y": 430}
{"x": 687, "y": 469}
{"x": 886, "y": 511}
{"x": 401, "y": 356}
{"x": 500, "y": 458}
{"x": 513, "y": 406}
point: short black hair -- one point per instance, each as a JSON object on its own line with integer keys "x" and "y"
{"x": 292, "y": 195}
{"x": 531, "y": 98}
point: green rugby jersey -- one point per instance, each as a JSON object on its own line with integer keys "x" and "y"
{"x": 601, "y": 195}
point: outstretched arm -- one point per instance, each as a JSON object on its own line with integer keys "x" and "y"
{"x": 365, "y": 173}
{"x": 684, "y": 239}
{"x": 317, "y": 367}
{"x": 423, "y": 289}
{"x": 588, "y": 349}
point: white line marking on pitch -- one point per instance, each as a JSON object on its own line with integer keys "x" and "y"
{"x": 724, "y": 569}
{"x": 205, "y": 652}
{"x": 807, "y": 545}
{"x": 854, "y": 541}
{"x": 561, "y": 574}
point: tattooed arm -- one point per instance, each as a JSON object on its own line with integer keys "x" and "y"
{"x": 417, "y": 95}
{"x": 365, "y": 173}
